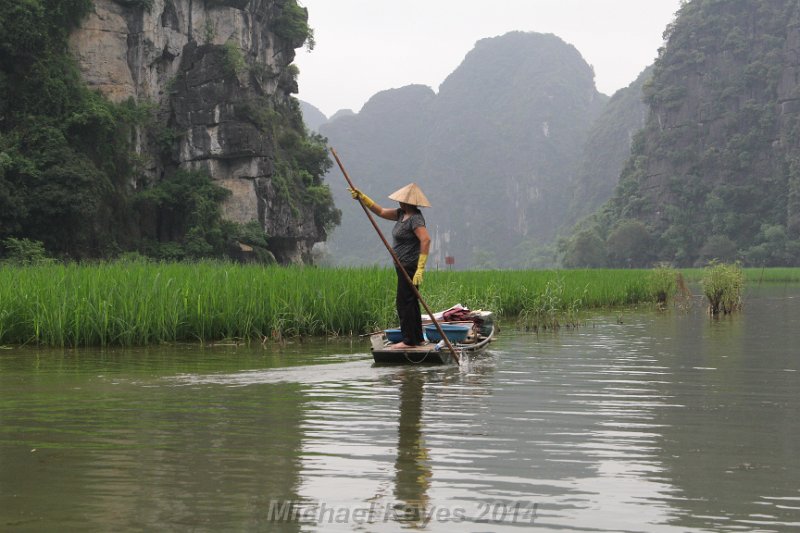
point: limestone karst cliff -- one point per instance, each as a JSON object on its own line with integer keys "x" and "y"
{"x": 219, "y": 76}
{"x": 715, "y": 173}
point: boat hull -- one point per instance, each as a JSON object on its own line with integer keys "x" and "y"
{"x": 426, "y": 354}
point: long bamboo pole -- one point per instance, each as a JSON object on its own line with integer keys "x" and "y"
{"x": 397, "y": 261}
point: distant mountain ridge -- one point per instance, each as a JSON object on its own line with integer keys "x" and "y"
{"x": 495, "y": 150}
{"x": 313, "y": 118}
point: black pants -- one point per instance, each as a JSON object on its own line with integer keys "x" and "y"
{"x": 408, "y": 308}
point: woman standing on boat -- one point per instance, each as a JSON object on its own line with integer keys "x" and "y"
{"x": 411, "y": 244}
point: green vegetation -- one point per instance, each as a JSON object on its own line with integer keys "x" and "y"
{"x": 304, "y": 161}
{"x": 715, "y": 173}
{"x": 186, "y": 220}
{"x": 70, "y": 179}
{"x": 64, "y": 161}
{"x": 209, "y": 31}
{"x": 752, "y": 275}
{"x": 722, "y": 285}
{"x": 510, "y": 292}
{"x": 25, "y": 252}
{"x": 551, "y": 308}
{"x": 292, "y": 24}
{"x": 607, "y": 148}
{"x": 146, "y": 4}
{"x": 772, "y": 275}
{"x": 234, "y": 61}
{"x": 136, "y": 302}
{"x": 140, "y": 302}
{"x": 664, "y": 283}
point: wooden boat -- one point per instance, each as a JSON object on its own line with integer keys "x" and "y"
{"x": 481, "y": 333}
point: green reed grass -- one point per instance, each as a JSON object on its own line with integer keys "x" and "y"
{"x": 144, "y": 303}
{"x": 722, "y": 286}
{"x": 753, "y": 275}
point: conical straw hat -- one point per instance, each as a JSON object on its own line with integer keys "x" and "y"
{"x": 410, "y": 194}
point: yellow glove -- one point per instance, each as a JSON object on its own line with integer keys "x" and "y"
{"x": 361, "y": 197}
{"x": 417, "y": 281}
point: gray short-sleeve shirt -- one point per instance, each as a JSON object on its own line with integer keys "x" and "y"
{"x": 405, "y": 241}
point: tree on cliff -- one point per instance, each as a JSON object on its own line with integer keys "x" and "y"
{"x": 61, "y": 162}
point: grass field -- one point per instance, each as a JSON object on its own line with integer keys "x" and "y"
{"x": 754, "y": 275}
{"x": 145, "y": 303}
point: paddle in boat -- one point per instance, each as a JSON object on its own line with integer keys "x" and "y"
{"x": 468, "y": 332}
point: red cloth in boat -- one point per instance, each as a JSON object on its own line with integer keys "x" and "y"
{"x": 457, "y": 315}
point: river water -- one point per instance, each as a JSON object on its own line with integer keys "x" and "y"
{"x": 636, "y": 421}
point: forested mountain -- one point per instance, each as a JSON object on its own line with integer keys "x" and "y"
{"x": 716, "y": 171}
{"x": 495, "y": 150}
{"x": 607, "y": 148}
{"x": 165, "y": 127}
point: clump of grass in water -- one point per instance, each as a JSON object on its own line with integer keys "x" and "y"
{"x": 722, "y": 285}
{"x": 667, "y": 285}
{"x": 663, "y": 283}
{"x": 551, "y": 308}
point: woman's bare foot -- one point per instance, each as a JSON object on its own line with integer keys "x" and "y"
{"x": 400, "y": 346}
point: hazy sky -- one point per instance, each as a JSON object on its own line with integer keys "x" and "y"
{"x": 366, "y": 46}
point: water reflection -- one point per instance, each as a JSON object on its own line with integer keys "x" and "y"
{"x": 367, "y": 444}
{"x": 412, "y": 467}
{"x": 663, "y": 422}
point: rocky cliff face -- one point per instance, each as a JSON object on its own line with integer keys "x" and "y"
{"x": 716, "y": 171}
{"x": 218, "y": 72}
